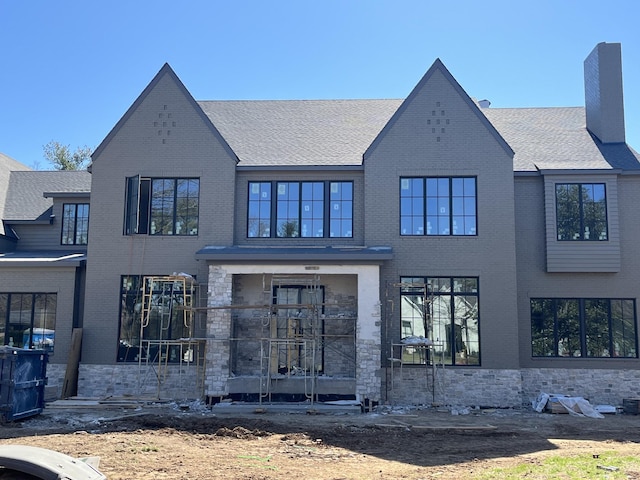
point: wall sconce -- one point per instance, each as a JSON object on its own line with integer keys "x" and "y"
{"x": 51, "y": 219}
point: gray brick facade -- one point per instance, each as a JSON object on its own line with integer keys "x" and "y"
{"x": 315, "y": 316}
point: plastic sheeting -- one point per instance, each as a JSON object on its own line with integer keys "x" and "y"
{"x": 576, "y": 406}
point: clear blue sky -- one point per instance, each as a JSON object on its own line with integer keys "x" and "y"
{"x": 70, "y": 69}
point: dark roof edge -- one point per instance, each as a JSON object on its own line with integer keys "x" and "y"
{"x": 66, "y": 194}
{"x": 569, "y": 171}
{"x": 275, "y": 168}
{"x": 349, "y": 255}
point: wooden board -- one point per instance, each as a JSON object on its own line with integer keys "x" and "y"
{"x": 70, "y": 385}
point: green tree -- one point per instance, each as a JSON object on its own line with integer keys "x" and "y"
{"x": 62, "y": 158}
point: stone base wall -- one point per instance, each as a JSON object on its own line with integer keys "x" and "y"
{"x": 441, "y": 386}
{"x": 606, "y": 387}
{"x": 55, "y": 379}
{"x": 126, "y": 380}
{"x": 368, "y": 370}
{"x": 409, "y": 385}
{"x": 506, "y": 388}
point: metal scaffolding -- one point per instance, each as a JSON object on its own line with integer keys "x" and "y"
{"x": 168, "y": 348}
{"x": 415, "y": 350}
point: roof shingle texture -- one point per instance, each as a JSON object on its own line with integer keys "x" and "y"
{"x": 338, "y": 132}
{"x": 299, "y": 132}
{"x": 25, "y": 200}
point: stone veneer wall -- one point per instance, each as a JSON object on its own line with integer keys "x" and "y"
{"x": 55, "y": 378}
{"x": 368, "y": 353}
{"x": 454, "y": 386}
{"x": 607, "y": 387}
{"x": 368, "y": 379}
{"x": 412, "y": 386}
{"x": 218, "y": 332}
{"x": 133, "y": 380}
{"x": 507, "y": 388}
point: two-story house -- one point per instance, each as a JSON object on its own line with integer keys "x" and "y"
{"x": 427, "y": 249}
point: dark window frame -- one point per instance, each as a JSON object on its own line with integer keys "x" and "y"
{"x": 576, "y": 214}
{"x": 14, "y": 336}
{"x": 287, "y": 217}
{"x": 455, "y": 348}
{"x": 129, "y": 344}
{"x": 141, "y": 207}
{"x": 587, "y": 337}
{"x": 72, "y": 232}
{"x": 447, "y": 206}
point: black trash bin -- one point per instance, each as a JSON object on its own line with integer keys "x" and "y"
{"x": 23, "y": 376}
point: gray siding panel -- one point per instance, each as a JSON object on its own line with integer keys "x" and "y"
{"x": 45, "y": 236}
{"x": 582, "y": 256}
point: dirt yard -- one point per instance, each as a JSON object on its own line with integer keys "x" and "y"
{"x": 167, "y": 442}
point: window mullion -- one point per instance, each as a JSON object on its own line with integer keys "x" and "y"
{"x": 610, "y": 329}
{"x": 554, "y": 303}
{"x": 75, "y": 225}
{"x": 451, "y": 208}
{"x": 583, "y": 327}
{"x": 425, "y": 230}
{"x": 326, "y": 209}
{"x": 299, "y": 220}
{"x": 273, "y": 222}
{"x": 175, "y": 206}
{"x": 581, "y": 206}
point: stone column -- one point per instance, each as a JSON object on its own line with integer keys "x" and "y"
{"x": 368, "y": 335}
{"x": 218, "y": 331}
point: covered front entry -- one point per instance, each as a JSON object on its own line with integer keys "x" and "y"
{"x": 293, "y": 332}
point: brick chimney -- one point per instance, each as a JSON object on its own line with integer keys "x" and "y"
{"x": 603, "y": 93}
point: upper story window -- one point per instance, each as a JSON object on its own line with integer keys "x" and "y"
{"x": 581, "y": 211}
{"x": 300, "y": 209}
{"x": 75, "y": 224}
{"x": 162, "y": 206}
{"x": 438, "y": 206}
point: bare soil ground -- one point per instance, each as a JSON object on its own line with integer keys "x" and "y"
{"x": 166, "y": 442}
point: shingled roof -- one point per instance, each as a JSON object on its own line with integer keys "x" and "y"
{"x": 556, "y": 138}
{"x": 299, "y": 132}
{"x": 337, "y": 132}
{"x": 25, "y": 199}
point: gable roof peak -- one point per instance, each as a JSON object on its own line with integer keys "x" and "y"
{"x": 438, "y": 65}
{"x": 165, "y": 70}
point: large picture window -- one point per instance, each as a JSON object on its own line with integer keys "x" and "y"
{"x": 28, "y": 320}
{"x": 165, "y": 318}
{"x": 300, "y": 209}
{"x": 581, "y": 211}
{"x": 589, "y": 327}
{"x": 162, "y": 206}
{"x": 75, "y": 223}
{"x": 438, "y": 206}
{"x": 444, "y": 310}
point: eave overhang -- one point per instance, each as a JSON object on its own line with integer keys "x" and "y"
{"x": 42, "y": 259}
{"x": 302, "y": 254}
